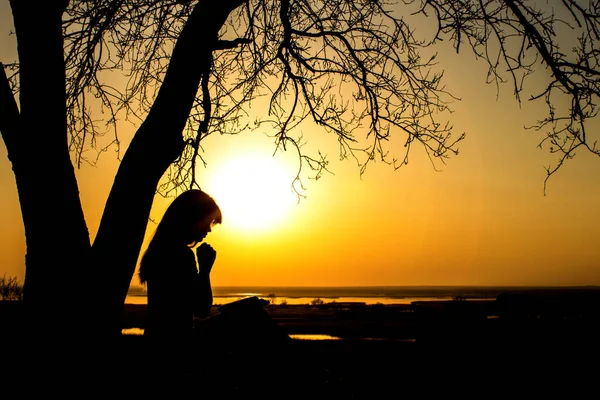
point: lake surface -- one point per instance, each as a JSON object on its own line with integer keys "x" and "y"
{"x": 300, "y": 295}
{"x": 297, "y": 336}
{"x": 360, "y": 294}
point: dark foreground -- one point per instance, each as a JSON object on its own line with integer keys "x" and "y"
{"x": 519, "y": 346}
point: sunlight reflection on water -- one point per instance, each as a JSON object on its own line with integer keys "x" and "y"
{"x": 298, "y": 336}
{"x": 132, "y": 331}
{"x": 311, "y": 336}
{"x": 140, "y": 331}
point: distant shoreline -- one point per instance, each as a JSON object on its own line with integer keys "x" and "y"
{"x": 565, "y": 316}
{"x": 407, "y": 288}
{"x": 299, "y": 295}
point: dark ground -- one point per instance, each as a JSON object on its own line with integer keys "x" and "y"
{"x": 521, "y": 345}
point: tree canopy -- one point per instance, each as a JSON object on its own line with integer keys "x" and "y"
{"x": 364, "y": 71}
{"x": 352, "y": 68}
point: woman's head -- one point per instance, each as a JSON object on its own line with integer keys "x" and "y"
{"x": 187, "y": 221}
{"x": 189, "y": 218}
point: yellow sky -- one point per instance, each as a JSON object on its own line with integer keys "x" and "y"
{"x": 483, "y": 220}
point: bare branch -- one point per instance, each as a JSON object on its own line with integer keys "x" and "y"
{"x": 9, "y": 113}
{"x": 521, "y": 38}
{"x": 353, "y": 69}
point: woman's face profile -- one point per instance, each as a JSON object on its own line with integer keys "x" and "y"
{"x": 200, "y": 230}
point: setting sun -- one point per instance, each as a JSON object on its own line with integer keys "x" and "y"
{"x": 253, "y": 190}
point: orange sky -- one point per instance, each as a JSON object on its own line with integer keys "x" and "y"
{"x": 483, "y": 220}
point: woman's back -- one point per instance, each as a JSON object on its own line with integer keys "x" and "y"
{"x": 170, "y": 287}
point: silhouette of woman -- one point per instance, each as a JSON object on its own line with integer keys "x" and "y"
{"x": 178, "y": 287}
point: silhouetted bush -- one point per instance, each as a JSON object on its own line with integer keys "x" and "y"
{"x": 272, "y": 299}
{"x": 10, "y": 289}
{"x": 317, "y": 302}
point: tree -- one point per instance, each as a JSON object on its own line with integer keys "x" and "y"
{"x": 358, "y": 70}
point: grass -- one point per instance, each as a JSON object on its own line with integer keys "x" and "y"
{"x": 10, "y": 289}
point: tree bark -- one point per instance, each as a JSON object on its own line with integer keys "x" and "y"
{"x": 56, "y": 234}
{"x": 156, "y": 144}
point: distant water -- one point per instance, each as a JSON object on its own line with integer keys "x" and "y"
{"x": 328, "y": 294}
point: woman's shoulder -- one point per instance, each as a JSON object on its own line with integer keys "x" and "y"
{"x": 169, "y": 248}
{"x": 168, "y": 254}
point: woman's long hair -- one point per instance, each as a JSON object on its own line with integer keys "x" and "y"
{"x": 188, "y": 210}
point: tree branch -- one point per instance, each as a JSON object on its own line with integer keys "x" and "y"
{"x": 9, "y": 114}
{"x": 230, "y": 44}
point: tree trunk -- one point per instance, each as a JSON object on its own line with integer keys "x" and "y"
{"x": 57, "y": 238}
{"x": 74, "y": 293}
{"x": 56, "y": 234}
{"x": 156, "y": 144}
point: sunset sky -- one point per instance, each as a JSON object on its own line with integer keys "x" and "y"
{"x": 482, "y": 220}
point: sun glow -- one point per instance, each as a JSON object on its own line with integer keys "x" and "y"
{"x": 253, "y": 191}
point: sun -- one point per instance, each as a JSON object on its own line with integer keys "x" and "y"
{"x": 253, "y": 191}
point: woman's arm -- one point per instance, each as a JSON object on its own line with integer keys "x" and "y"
{"x": 203, "y": 298}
